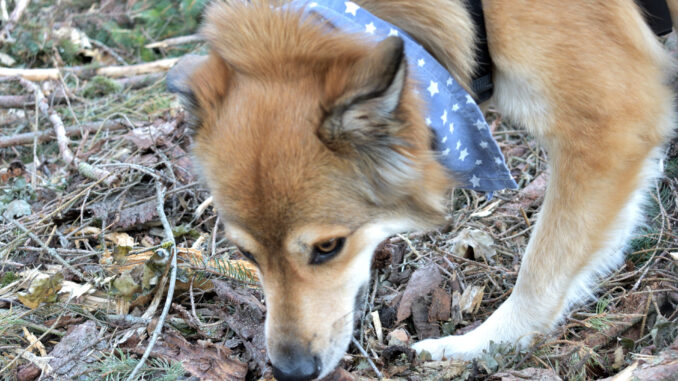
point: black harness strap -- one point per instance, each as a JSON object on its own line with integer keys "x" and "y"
{"x": 481, "y": 83}
{"x": 657, "y": 16}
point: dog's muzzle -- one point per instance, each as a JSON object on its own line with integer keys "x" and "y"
{"x": 296, "y": 364}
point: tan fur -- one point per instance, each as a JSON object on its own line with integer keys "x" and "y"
{"x": 586, "y": 78}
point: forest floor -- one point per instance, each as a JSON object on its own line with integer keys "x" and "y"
{"x": 91, "y": 221}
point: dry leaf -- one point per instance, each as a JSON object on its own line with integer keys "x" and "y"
{"x": 43, "y": 288}
{"x": 120, "y": 239}
{"x": 423, "y": 281}
{"x": 471, "y": 298}
{"x": 35, "y": 344}
{"x": 474, "y": 244}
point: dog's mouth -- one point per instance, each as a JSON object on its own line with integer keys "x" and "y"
{"x": 360, "y": 303}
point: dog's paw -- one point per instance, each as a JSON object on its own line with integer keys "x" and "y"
{"x": 446, "y": 348}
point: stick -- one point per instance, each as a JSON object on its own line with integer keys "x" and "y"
{"x": 89, "y": 72}
{"x": 49, "y": 250}
{"x": 13, "y": 18}
{"x": 173, "y": 279}
{"x": 131, "y": 83}
{"x": 43, "y": 136}
{"x": 175, "y": 41}
{"x": 369, "y": 360}
{"x": 63, "y": 141}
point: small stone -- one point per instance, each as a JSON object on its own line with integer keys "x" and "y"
{"x": 398, "y": 337}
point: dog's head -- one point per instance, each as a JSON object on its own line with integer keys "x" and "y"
{"x": 314, "y": 148}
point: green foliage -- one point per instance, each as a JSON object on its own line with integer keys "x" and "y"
{"x": 119, "y": 366}
{"x": 7, "y": 278}
{"x": 600, "y": 322}
{"x": 151, "y": 21}
{"x": 100, "y": 86}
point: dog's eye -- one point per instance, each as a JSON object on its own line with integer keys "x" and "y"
{"x": 247, "y": 255}
{"x": 324, "y": 251}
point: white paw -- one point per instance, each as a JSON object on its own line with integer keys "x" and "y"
{"x": 447, "y": 348}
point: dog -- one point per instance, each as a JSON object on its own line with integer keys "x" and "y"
{"x": 313, "y": 144}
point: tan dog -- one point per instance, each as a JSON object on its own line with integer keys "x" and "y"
{"x": 315, "y": 150}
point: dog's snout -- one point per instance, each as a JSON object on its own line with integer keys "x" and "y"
{"x": 296, "y": 364}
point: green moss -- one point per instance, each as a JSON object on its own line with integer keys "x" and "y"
{"x": 100, "y": 86}
{"x": 7, "y": 278}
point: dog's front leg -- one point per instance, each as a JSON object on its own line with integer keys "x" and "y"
{"x": 602, "y": 132}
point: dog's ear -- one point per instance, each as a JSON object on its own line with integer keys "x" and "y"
{"x": 363, "y": 97}
{"x": 200, "y": 82}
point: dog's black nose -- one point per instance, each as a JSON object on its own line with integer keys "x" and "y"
{"x": 296, "y": 364}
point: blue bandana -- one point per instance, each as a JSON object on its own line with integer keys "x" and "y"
{"x": 464, "y": 143}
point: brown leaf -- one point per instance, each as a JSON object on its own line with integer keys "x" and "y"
{"x": 528, "y": 196}
{"x": 420, "y": 314}
{"x": 440, "y": 306}
{"x": 339, "y": 374}
{"x": 205, "y": 361}
{"x": 423, "y": 281}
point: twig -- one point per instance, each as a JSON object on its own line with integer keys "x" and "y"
{"x": 43, "y": 136}
{"x": 63, "y": 141}
{"x": 369, "y": 360}
{"x": 173, "y": 279}
{"x": 2, "y": 371}
{"x": 49, "y": 250}
{"x": 59, "y": 97}
{"x": 108, "y": 50}
{"x": 89, "y": 72}
{"x": 175, "y": 41}
{"x": 13, "y": 18}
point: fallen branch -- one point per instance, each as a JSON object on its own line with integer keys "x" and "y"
{"x": 172, "y": 282}
{"x": 43, "y": 136}
{"x": 131, "y": 83}
{"x": 175, "y": 41}
{"x": 13, "y": 19}
{"x": 63, "y": 141}
{"x": 86, "y": 72}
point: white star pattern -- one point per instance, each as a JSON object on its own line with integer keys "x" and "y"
{"x": 444, "y": 117}
{"x": 393, "y": 32}
{"x": 497, "y": 160}
{"x": 444, "y": 139}
{"x": 449, "y": 81}
{"x": 455, "y": 107}
{"x": 446, "y": 152}
{"x": 313, "y": 5}
{"x": 421, "y": 62}
{"x": 351, "y": 7}
{"x": 370, "y": 28}
{"x": 480, "y": 124}
{"x": 428, "y": 121}
{"x": 475, "y": 181}
{"x": 469, "y": 99}
{"x": 451, "y": 128}
{"x": 433, "y": 88}
{"x": 463, "y": 154}
{"x": 479, "y": 162}
{"x": 483, "y": 144}
{"x": 458, "y": 144}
